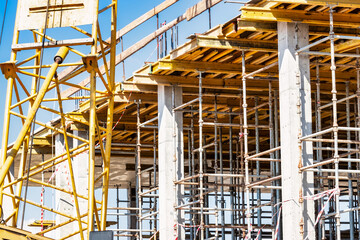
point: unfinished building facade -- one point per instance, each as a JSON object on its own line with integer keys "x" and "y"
{"x": 247, "y": 131}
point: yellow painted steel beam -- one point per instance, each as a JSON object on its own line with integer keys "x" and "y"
{"x": 110, "y": 117}
{"x": 55, "y": 129}
{"x": 92, "y": 131}
{"x": 26, "y": 142}
{"x": 41, "y": 206}
{"x": 10, "y": 158}
{"x": 283, "y": 15}
{"x": 342, "y": 3}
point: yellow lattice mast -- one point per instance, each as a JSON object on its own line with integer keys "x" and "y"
{"x": 29, "y": 91}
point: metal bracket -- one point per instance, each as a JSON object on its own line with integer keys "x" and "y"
{"x": 8, "y": 69}
{"x": 90, "y": 63}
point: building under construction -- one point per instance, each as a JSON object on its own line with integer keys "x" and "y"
{"x": 250, "y": 130}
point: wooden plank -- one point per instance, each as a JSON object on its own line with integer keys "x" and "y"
{"x": 199, "y": 8}
{"x": 340, "y": 3}
{"x": 65, "y": 13}
{"x": 314, "y": 18}
{"x": 156, "y": 10}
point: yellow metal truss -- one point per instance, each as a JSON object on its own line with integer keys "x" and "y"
{"x": 18, "y": 71}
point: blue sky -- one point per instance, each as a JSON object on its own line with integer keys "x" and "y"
{"x": 127, "y": 11}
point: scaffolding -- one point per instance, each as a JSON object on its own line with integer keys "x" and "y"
{"x": 226, "y": 163}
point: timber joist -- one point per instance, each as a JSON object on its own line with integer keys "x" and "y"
{"x": 309, "y": 3}
{"x": 201, "y": 41}
{"x": 314, "y": 12}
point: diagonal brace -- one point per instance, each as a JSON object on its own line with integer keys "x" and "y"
{"x": 63, "y": 51}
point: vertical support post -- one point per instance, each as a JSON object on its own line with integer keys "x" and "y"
{"x": 26, "y": 142}
{"x": 110, "y": 114}
{"x": 222, "y": 200}
{"x": 272, "y": 164}
{"x": 246, "y": 151}
{"x": 138, "y": 169}
{"x": 351, "y": 213}
{"x": 191, "y": 169}
{"x": 319, "y": 157}
{"x": 168, "y": 199}
{"x": 155, "y": 180}
{"x": 257, "y": 149}
{"x": 216, "y": 169}
{"x": 291, "y": 37}
{"x": 92, "y": 132}
{"x": 201, "y": 174}
{"x": 117, "y": 211}
{"x": 357, "y": 124}
{"x": 232, "y": 207}
{"x": 132, "y": 196}
{"x": 335, "y": 123}
{"x": 6, "y": 123}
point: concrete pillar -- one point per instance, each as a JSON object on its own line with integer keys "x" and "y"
{"x": 81, "y": 174}
{"x": 64, "y": 202}
{"x": 292, "y": 36}
{"x": 168, "y": 170}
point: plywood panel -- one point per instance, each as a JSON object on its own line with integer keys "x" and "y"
{"x": 62, "y": 13}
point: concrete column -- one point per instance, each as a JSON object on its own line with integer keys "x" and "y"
{"x": 81, "y": 174}
{"x": 64, "y": 202}
{"x": 292, "y": 36}
{"x": 168, "y": 170}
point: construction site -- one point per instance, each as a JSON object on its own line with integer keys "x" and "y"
{"x": 247, "y": 131}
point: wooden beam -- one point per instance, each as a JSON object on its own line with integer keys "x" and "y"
{"x": 199, "y": 8}
{"x": 250, "y": 25}
{"x": 143, "y": 18}
{"x": 202, "y": 41}
{"x": 284, "y": 15}
{"x": 213, "y": 67}
{"x": 214, "y": 83}
{"x": 340, "y": 3}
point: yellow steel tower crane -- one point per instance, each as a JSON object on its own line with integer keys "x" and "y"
{"x": 34, "y": 88}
